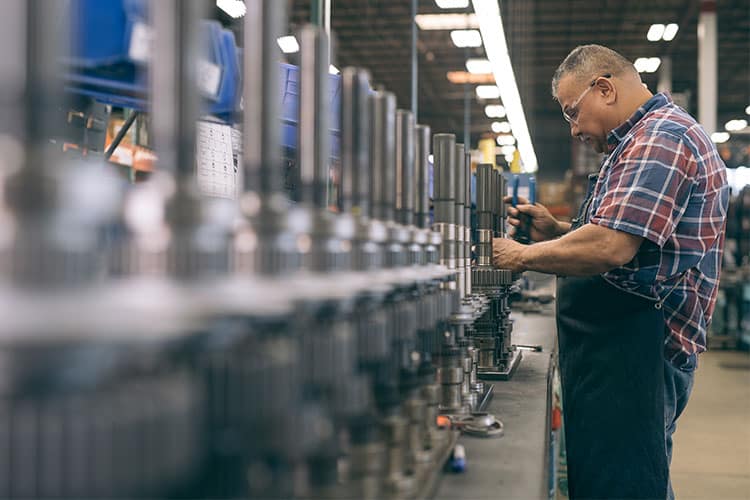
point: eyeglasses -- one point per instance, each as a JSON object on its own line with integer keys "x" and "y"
{"x": 572, "y": 111}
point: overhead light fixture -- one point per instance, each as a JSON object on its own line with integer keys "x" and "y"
{"x": 494, "y": 111}
{"x": 505, "y": 127}
{"x": 496, "y": 48}
{"x": 747, "y": 110}
{"x": 508, "y": 150}
{"x": 735, "y": 125}
{"x": 333, "y": 69}
{"x": 233, "y": 8}
{"x": 655, "y": 32}
{"x": 647, "y": 64}
{"x": 505, "y": 140}
{"x": 670, "y": 32}
{"x": 430, "y": 22}
{"x": 466, "y": 38}
{"x": 466, "y": 77}
{"x": 478, "y": 66}
{"x": 452, "y": 4}
{"x": 509, "y": 158}
{"x": 495, "y": 127}
{"x": 288, "y": 44}
{"x": 720, "y": 137}
{"x": 488, "y": 91}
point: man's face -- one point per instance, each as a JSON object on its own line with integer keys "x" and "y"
{"x": 584, "y": 108}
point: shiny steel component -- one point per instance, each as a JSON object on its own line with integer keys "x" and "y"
{"x": 405, "y": 169}
{"x": 422, "y": 188}
{"x": 497, "y": 358}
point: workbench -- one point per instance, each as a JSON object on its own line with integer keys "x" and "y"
{"x": 516, "y": 465}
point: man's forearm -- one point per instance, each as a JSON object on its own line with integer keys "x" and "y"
{"x": 563, "y": 228}
{"x": 587, "y": 251}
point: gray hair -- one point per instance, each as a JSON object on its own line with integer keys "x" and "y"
{"x": 587, "y": 61}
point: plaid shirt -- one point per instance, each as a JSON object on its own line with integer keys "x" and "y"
{"x": 663, "y": 180}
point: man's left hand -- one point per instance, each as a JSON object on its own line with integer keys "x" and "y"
{"x": 506, "y": 254}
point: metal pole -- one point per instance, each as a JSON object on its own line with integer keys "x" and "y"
{"x": 467, "y": 112}
{"x": 707, "y": 65}
{"x": 261, "y": 152}
{"x": 414, "y": 63}
{"x": 313, "y": 138}
{"x": 175, "y": 98}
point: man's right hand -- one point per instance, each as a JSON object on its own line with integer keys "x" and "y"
{"x": 543, "y": 225}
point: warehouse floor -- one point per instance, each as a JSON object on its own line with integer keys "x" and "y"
{"x": 712, "y": 442}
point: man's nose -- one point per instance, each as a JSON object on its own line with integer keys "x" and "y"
{"x": 574, "y": 130}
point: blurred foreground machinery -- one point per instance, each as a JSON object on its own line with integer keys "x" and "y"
{"x": 258, "y": 348}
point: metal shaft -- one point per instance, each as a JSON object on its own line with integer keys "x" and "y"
{"x": 404, "y": 167}
{"x": 460, "y": 205}
{"x": 261, "y": 150}
{"x": 314, "y": 143}
{"x": 383, "y": 155}
{"x": 485, "y": 211}
{"x": 422, "y": 187}
{"x": 467, "y": 221}
{"x": 444, "y": 194}
{"x": 355, "y": 141}
{"x": 175, "y": 95}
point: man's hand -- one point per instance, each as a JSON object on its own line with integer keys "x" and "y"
{"x": 543, "y": 225}
{"x": 506, "y": 254}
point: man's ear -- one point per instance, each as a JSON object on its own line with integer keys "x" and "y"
{"x": 607, "y": 89}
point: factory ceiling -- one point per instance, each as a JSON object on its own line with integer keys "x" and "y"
{"x": 376, "y": 34}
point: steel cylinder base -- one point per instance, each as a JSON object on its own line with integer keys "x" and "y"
{"x": 501, "y": 372}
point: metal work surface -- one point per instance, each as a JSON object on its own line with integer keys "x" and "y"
{"x": 513, "y": 466}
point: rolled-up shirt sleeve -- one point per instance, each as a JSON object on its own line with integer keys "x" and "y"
{"x": 649, "y": 188}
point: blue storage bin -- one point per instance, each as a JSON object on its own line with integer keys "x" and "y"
{"x": 102, "y": 65}
{"x": 290, "y": 108}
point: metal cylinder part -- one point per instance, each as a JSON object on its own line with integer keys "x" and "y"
{"x": 485, "y": 180}
{"x": 422, "y": 185}
{"x": 355, "y": 141}
{"x": 383, "y": 155}
{"x": 176, "y": 105}
{"x": 404, "y": 167}
{"x": 313, "y": 133}
{"x": 261, "y": 152}
{"x": 467, "y": 222}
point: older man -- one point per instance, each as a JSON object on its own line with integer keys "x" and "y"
{"x": 637, "y": 274}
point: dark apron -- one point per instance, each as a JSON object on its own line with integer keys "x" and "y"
{"x": 612, "y": 373}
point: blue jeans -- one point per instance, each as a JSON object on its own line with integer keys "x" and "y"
{"x": 678, "y": 382}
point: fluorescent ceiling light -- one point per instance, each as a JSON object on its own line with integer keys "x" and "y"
{"x": 452, "y": 4}
{"x": 509, "y": 158}
{"x": 508, "y": 150}
{"x": 234, "y": 8}
{"x": 655, "y": 32}
{"x": 478, "y": 66}
{"x": 670, "y": 32}
{"x": 647, "y": 64}
{"x": 429, "y": 22}
{"x": 505, "y": 127}
{"x": 735, "y": 125}
{"x": 495, "y": 127}
{"x": 466, "y": 77}
{"x": 494, "y": 111}
{"x": 496, "y": 48}
{"x": 505, "y": 140}
{"x": 720, "y": 137}
{"x": 488, "y": 91}
{"x": 466, "y": 38}
{"x": 288, "y": 44}
{"x": 333, "y": 69}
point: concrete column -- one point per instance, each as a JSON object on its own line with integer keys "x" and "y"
{"x": 707, "y": 65}
{"x": 665, "y": 75}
